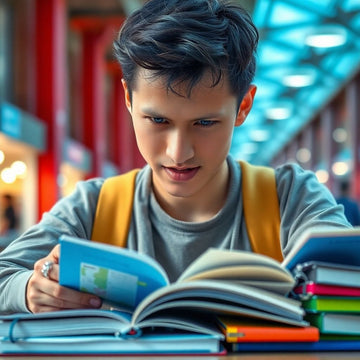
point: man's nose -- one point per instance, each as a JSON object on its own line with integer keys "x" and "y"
{"x": 179, "y": 147}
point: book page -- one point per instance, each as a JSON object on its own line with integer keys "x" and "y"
{"x": 211, "y": 296}
{"x": 220, "y": 260}
{"x": 263, "y": 277}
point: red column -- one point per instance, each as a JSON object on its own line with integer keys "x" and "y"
{"x": 125, "y": 152}
{"x": 93, "y": 91}
{"x": 102, "y": 128}
{"x": 50, "y": 29}
{"x": 97, "y": 36}
{"x": 130, "y": 155}
{"x": 113, "y": 130}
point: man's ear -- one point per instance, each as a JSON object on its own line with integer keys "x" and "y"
{"x": 246, "y": 105}
{"x": 127, "y": 95}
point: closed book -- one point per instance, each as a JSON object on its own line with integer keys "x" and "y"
{"x": 148, "y": 344}
{"x": 327, "y": 273}
{"x": 310, "y": 288}
{"x": 245, "y": 330}
{"x": 338, "y": 246}
{"x": 306, "y": 346}
{"x": 335, "y": 323}
{"x": 332, "y": 304}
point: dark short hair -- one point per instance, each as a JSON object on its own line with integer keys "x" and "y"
{"x": 180, "y": 40}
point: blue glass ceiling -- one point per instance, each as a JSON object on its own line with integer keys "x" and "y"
{"x": 283, "y": 26}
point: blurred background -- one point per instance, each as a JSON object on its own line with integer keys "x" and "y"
{"x": 63, "y": 118}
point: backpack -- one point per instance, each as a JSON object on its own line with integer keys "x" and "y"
{"x": 260, "y": 206}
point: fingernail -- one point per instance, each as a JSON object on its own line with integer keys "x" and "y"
{"x": 95, "y": 302}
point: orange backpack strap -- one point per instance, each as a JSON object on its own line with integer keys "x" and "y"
{"x": 114, "y": 209}
{"x": 261, "y": 209}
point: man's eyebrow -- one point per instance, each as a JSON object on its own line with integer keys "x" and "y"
{"x": 155, "y": 114}
{"x": 152, "y": 113}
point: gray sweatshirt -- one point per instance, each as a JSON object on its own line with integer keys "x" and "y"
{"x": 304, "y": 203}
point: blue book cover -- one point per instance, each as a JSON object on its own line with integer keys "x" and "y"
{"x": 339, "y": 246}
{"x": 322, "y": 345}
{"x": 96, "y": 269}
{"x": 148, "y": 344}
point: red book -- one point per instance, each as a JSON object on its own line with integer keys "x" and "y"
{"x": 311, "y": 288}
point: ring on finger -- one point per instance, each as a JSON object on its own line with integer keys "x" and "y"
{"x": 46, "y": 268}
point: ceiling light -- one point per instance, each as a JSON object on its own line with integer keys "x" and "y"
{"x": 300, "y": 78}
{"x": 279, "y": 112}
{"x": 259, "y": 135}
{"x": 20, "y": 168}
{"x": 303, "y": 155}
{"x": 326, "y": 36}
{"x": 340, "y": 168}
{"x": 340, "y": 135}
{"x": 8, "y": 176}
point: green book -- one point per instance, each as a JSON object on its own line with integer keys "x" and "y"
{"x": 332, "y": 304}
{"x": 336, "y": 323}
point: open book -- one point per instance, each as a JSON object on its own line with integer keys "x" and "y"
{"x": 138, "y": 296}
{"x": 219, "y": 281}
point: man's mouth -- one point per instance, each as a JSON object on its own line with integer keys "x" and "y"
{"x": 181, "y": 174}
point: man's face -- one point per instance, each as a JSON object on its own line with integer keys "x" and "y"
{"x": 185, "y": 140}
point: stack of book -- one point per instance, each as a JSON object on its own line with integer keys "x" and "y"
{"x": 331, "y": 302}
{"x": 330, "y": 295}
{"x": 225, "y": 297}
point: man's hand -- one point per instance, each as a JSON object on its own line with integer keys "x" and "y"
{"x": 45, "y": 294}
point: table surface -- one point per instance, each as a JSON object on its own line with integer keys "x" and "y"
{"x": 241, "y": 356}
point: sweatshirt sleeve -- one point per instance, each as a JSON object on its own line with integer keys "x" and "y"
{"x": 72, "y": 215}
{"x": 304, "y": 204}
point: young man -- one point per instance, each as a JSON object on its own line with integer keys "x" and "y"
{"x": 188, "y": 67}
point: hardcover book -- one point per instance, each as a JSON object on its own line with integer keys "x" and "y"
{"x": 336, "y": 323}
{"x": 148, "y": 344}
{"x": 337, "y": 246}
{"x": 319, "y": 303}
{"x": 326, "y": 273}
{"x": 306, "y": 346}
{"x": 249, "y": 330}
{"x": 307, "y": 289}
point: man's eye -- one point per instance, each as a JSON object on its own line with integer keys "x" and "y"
{"x": 157, "y": 120}
{"x": 206, "y": 123}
